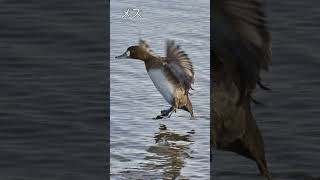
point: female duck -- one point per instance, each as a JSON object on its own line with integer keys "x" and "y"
{"x": 172, "y": 75}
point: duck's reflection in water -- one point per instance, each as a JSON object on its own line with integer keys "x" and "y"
{"x": 169, "y": 153}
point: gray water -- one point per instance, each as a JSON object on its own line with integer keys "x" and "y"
{"x": 289, "y": 121}
{"x": 141, "y": 147}
{"x": 52, "y": 90}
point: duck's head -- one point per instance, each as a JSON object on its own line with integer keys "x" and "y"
{"x": 133, "y": 52}
{"x": 142, "y": 52}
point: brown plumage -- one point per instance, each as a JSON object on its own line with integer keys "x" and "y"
{"x": 241, "y": 49}
{"x": 172, "y": 75}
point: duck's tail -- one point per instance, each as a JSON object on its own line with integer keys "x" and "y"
{"x": 188, "y": 106}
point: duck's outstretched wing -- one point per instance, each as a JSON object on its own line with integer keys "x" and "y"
{"x": 179, "y": 64}
{"x": 241, "y": 40}
{"x": 241, "y": 49}
{"x": 146, "y": 47}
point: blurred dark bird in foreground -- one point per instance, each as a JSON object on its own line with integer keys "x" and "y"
{"x": 241, "y": 50}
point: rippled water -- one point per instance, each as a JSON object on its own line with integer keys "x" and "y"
{"x": 52, "y": 90}
{"x": 290, "y": 118}
{"x": 141, "y": 147}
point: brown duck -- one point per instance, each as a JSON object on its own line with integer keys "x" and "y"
{"x": 172, "y": 75}
{"x": 241, "y": 49}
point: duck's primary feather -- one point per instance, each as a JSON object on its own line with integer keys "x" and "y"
{"x": 242, "y": 41}
{"x": 178, "y": 62}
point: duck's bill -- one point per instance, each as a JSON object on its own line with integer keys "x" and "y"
{"x": 122, "y": 56}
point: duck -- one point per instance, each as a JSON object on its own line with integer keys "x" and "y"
{"x": 172, "y": 75}
{"x": 241, "y": 51}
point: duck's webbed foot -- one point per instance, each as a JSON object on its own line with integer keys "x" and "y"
{"x": 166, "y": 113}
{"x": 171, "y": 112}
{"x": 158, "y": 117}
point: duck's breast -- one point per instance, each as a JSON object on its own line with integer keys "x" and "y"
{"x": 161, "y": 82}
